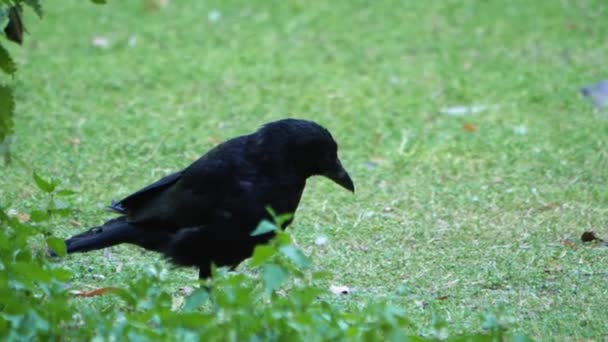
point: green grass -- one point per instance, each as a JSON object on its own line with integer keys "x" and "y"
{"x": 445, "y": 222}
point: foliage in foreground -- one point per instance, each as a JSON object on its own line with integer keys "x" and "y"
{"x": 279, "y": 301}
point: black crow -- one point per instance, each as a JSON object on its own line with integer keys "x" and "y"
{"x": 206, "y": 213}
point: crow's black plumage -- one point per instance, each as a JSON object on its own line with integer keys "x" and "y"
{"x": 206, "y": 213}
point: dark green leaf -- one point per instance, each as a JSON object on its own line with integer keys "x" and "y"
{"x": 521, "y": 338}
{"x": 31, "y": 271}
{"x": 62, "y": 212}
{"x": 39, "y": 215}
{"x": 296, "y": 255}
{"x": 62, "y": 274}
{"x": 65, "y": 192}
{"x": 35, "y": 5}
{"x": 282, "y": 238}
{"x": 7, "y": 64}
{"x": 261, "y": 254}
{"x": 43, "y": 184}
{"x": 7, "y": 109}
{"x": 263, "y": 228}
{"x": 57, "y": 245}
{"x": 14, "y": 29}
{"x": 99, "y": 1}
{"x": 274, "y": 276}
{"x": 125, "y": 295}
{"x": 279, "y": 220}
{"x": 190, "y": 320}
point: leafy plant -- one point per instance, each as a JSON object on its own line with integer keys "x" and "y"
{"x": 279, "y": 299}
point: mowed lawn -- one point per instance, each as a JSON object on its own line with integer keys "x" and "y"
{"x": 455, "y": 216}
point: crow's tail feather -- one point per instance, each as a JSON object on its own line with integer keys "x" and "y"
{"x": 113, "y": 232}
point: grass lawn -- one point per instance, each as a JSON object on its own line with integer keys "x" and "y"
{"x": 454, "y": 216}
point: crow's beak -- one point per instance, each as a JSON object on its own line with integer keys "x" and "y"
{"x": 340, "y": 176}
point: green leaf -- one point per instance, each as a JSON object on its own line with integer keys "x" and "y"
{"x": 124, "y": 295}
{"x": 196, "y": 299}
{"x": 57, "y": 246}
{"x": 282, "y": 239}
{"x": 31, "y": 271}
{"x": 261, "y": 254}
{"x": 7, "y": 64}
{"x": 61, "y": 274}
{"x": 65, "y": 192}
{"x": 263, "y": 228}
{"x": 35, "y": 5}
{"x": 7, "y": 109}
{"x": 274, "y": 276}
{"x": 44, "y": 185}
{"x": 296, "y": 255}
{"x": 3, "y": 216}
{"x": 279, "y": 220}
{"x": 39, "y": 215}
{"x": 101, "y": 2}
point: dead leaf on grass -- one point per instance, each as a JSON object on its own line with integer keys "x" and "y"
{"x": 22, "y": 217}
{"x": 74, "y": 142}
{"x": 469, "y": 127}
{"x": 568, "y": 243}
{"x": 93, "y": 293}
{"x": 549, "y": 206}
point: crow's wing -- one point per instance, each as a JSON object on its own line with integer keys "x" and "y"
{"x": 190, "y": 197}
{"x": 124, "y": 205}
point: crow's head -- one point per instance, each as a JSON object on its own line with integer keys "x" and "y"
{"x": 310, "y": 148}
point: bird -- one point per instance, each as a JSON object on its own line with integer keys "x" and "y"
{"x": 205, "y": 214}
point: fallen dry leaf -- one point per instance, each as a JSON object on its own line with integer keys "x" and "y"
{"x": 469, "y": 127}
{"x": 156, "y": 4}
{"x": 75, "y": 223}
{"x": 568, "y": 243}
{"x": 22, "y": 217}
{"x": 74, "y": 142}
{"x": 549, "y": 206}
{"x": 93, "y": 293}
{"x": 443, "y": 297}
